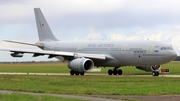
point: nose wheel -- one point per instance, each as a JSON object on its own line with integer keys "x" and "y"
{"x": 155, "y": 73}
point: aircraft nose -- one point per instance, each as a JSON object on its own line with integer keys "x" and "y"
{"x": 172, "y": 55}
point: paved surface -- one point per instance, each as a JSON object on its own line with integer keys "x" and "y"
{"x": 144, "y": 98}
{"x": 7, "y": 73}
{"x": 105, "y": 97}
{"x": 61, "y": 95}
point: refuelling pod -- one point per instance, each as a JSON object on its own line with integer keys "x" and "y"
{"x": 15, "y": 54}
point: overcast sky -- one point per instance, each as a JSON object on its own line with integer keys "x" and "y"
{"x": 90, "y": 19}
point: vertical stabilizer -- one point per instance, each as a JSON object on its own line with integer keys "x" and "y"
{"x": 43, "y": 28}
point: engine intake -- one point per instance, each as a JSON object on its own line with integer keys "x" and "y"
{"x": 81, "y": 64}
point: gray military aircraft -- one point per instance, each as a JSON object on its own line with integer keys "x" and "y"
{"x": 145, "y": 55}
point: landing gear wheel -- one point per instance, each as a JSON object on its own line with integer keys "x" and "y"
{"x": 71, "y": 72}
{"x": 110, "y": 72}
{"x": 76, "y": 73}
{"x": 115, "y": 71}
{"x": 119, "y": 72}
{"x": 82, "y": 73}
{"x": 155, "y": 73}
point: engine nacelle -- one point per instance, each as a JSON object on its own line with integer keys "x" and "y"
{"x": 81, "y": 64}
{"x": 149, "y": 68}
{"x": 16, "y": 54}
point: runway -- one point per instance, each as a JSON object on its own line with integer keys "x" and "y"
{"x": 61, "y": 95}
{"x": 103, "y": 97}
{"x": 88, "y": 74}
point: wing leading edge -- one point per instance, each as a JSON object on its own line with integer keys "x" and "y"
{"x": 25, "y": 43}
{"x": 56, "y": 53}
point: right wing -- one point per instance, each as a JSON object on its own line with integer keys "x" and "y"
{"x": 177, "y": 58}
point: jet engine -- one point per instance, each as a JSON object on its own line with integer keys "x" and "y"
{"x": 149, "y": 68}
{"x": 15, "y": 54}
{"x": 81, "y": 64}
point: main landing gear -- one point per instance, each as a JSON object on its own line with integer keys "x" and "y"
{"x": 72, "y": 72}
{"x": 115, "y": 71}
{"x": 155, "y": 73}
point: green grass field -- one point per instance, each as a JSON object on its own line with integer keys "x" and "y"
{"x": 174, "y": 68}
{"x": 26, "y": 97}
{"x": 88, "y": 84}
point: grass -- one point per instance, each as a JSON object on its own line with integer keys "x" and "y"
{"x": 90, "y": 85}
{"x": 26, "y": 97}
{"x": 62, "y": 68}
{"x": 35, "y": 67}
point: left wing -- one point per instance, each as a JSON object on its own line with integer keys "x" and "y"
{"x": 25, "y": 43}
{"x": 55, "y": 53}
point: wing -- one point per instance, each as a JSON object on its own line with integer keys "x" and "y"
{"x": 25, "y": 43}
{"x": 54, "y": 53}
{"x": 177, "y": 58}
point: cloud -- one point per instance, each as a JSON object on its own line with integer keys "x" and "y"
{"x": 122, "y": 37}
{"x": 22, "y": 9}
{"x": 93, "y": 19}
{"x": 168, "y": 35}
{"x": 150, "y": 6}
{"x": 94, "y": 35}
{"x": 81, "y": 6}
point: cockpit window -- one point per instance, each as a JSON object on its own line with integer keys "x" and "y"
{"x": 169, "y": 48}
{"x": 163, "y": 48}
{"x": 166, "y": 48}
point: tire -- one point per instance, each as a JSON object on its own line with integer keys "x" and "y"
{"x": 119, "y": 72}
{"x": 71, "y": 72}
{"x": 76, "y": 73}
{"x": 153, "y": 73}
{"x": 157, "y": 73}
{"x": 82, "y": 73}
{"x": 115, "y": 72}
{"x": 110, "y": 72}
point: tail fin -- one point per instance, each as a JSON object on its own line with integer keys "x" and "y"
{"x": 44, "y": 30}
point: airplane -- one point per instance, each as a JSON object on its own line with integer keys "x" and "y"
{"x": 145, "y": 55}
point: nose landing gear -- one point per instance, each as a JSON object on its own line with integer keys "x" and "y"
{"x": 155, "y": 73}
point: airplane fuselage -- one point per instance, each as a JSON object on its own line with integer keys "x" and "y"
{"x": 134, "y": 53}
